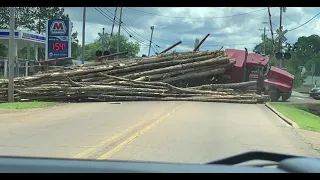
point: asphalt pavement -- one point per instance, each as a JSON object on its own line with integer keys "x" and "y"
{"x": 297, "y": 97}
{"x": 189, "y": 132}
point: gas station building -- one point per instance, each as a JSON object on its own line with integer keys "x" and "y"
{"x": 22, "y": 39}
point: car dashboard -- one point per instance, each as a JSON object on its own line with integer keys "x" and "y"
{"x": 282, "y": 164}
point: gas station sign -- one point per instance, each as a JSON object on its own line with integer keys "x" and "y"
{"x": 58, "y": 39}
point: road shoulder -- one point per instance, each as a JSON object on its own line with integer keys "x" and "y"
{"x": 309, "y": 137}
{"x": 312, "y": 138}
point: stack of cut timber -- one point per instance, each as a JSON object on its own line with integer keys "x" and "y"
{"x": 165, "y": 77}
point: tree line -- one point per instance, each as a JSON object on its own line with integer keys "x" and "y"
{"x": 34, "y": 19}
{"x": 304, "y": 52}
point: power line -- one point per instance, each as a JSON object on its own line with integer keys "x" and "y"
{"x": 130, "y": 22}
{"x": 304, "y": 23}
{"x": 154, "y": 14}
{"x": 105, "y": 15}
{"x": 133, "y": 36}
{"x": 165, "y": 40}
{"x": 297, "y": 22}
{"x": 170, "y": 40}
{"x": 107, "y": 10}
{"x": 128, "y": 28}
{"x": 117, "y": 23}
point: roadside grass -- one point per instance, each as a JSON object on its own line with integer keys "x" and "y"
{"x": 26, "y": 105}
{"x": 299, "y": 114}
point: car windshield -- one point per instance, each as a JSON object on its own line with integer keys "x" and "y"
{"x": 158, "y": 84}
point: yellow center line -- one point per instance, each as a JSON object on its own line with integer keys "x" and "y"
{"x": 139, "y": 133}
{"x": 104, "y": 143}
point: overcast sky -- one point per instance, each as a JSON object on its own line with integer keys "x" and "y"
{"x": 228, "y": 27}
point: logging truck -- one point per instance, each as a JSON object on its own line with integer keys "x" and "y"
{"x": 277, "y": 82}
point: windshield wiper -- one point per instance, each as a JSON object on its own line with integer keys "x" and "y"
{"x": 255, "y": 155}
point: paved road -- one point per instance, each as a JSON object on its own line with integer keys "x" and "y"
{"x": 301, "y": 98}
{"x": 149, "y": 131}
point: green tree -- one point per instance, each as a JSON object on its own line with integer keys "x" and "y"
{"x": 307, "y": 50}
{"x": 292, "y": 65}
{"x": 40, "y": 15}
{"x": 125, "y": 46}
{"x": 267, "y": 46}
{"x": 34, "y": 19}
{"x": 22, "y": 19}
{"x": 75, "y": 46}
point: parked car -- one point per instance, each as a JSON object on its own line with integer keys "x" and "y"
{"x": 315, "y": 93}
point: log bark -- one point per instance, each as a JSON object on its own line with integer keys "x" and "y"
{"x": 170, "y": 87}
{"x": 225, "y": 86}
{"x": 219, "y": 60}
{"x": 148, "y": 66}
{"x": 195, "y": 75}
{"x": 94, "y": 88}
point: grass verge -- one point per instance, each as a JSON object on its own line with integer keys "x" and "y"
{"x": 26, "y": 105}
{"x": 301, "y": 116}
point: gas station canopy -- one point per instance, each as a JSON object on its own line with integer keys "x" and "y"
{"x": 23, "y": 39}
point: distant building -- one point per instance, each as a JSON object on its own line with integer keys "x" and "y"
{"x": 308, "y": 81}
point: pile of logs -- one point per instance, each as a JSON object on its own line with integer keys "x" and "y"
{"x": 185, "y": 76}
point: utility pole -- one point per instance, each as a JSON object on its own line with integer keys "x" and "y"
{"x": 83, "y": 35}
{"x": 152, "y": 28}
{"x": 103, "y": 40}
{"x": 114, "y": 20}
{"x": 264, "y": 37}
{"x": 118, "y": 41}
{"x": 264, "y": 40}
{"x": 196, "y": 43}
{"x": 111, "y": 34}
{"x": 280, "y": 39}
{"x": 11, "y": 56}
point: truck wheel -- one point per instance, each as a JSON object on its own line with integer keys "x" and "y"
{"x": 274, "y": 94}
{"x": 285, "y": 97}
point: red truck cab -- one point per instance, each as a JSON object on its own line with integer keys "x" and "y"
{"x": 277, "y": 83}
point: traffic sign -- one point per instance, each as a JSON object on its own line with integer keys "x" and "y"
{"x": 58, "y": 38}
{"x": 281, "y": 35}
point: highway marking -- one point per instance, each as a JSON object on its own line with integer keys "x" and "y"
{"x": 104, "y": 143}
{"x": 137, "y": 134}
{"x": 107, "y": 141}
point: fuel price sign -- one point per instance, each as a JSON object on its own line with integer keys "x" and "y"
{"x": 58, "y": 40}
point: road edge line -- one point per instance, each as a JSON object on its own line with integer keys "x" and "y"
{"x": 281, "y": 116}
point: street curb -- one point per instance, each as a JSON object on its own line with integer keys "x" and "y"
{"x": 288, "y": 121}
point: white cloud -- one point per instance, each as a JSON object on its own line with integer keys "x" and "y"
{"x": 225, "y": 29}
